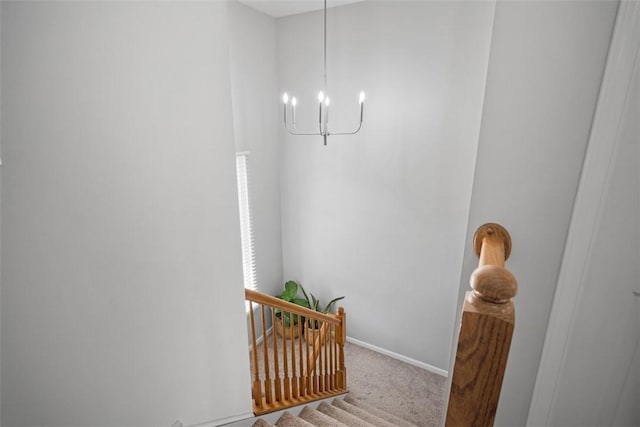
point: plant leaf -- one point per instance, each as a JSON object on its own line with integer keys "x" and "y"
{"x": 333, "y": 301}
{"x": 305, "y": 295}
{"x": 290, "y": 291}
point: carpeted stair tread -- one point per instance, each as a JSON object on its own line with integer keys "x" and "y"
{"x": 342, "y": 416}
{"x": 261, "y": 423}
{"x": 347, "y": 412}
{"x": 289, "y": 420}
{"x": 393, "y": 419}
{"x": 362, "y": 414}
{"x": 319, "y": 419}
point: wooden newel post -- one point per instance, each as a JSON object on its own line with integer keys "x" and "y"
{"x": 485, "y": 333}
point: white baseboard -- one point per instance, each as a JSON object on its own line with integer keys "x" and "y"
{"x": 399, "y": 357}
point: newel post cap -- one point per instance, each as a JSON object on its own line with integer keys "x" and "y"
{"x": 492, "y": 229}
{"x": 494, "y": 284}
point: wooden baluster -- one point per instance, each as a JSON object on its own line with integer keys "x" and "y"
{"x": 303, "y": 378}
{"x": 485, "y": 333}
{"x": 341, "y": 336}
{"x": 314, "y": 371}
{"x": 326, "y": 362}
{"x": 307, "y": 373}
{"x": 265, "y": 347}
{"x": 323, "y": 351}
{"x": 317, "y": 357}
{"x": 257, "y": 389}
{"x": 285, "y": 362}
{"x": 277, "y": 384}
{"x": 332, "y": 366}
{"x": 294, "y": 376}
{"x": 335, "y": 356}
{"x": 317, "y": 353}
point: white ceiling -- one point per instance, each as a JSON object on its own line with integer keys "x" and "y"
{"x": 279, "y": 8}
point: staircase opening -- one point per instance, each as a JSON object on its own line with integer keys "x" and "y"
{"x": 296, "y": 360}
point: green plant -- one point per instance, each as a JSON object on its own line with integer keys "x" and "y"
{"x": 314, "y": 304}
{"x": 290, "y": 294}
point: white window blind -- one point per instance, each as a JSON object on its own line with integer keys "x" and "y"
{"x": 246, "y": 225}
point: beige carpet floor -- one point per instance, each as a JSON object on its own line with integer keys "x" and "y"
{"x": 415, "y": 394}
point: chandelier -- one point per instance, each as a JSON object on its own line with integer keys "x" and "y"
{"x": 323, "y": 103}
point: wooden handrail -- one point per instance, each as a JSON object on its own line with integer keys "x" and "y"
{"x": 283, "y": 305}
{"x": 315, "y": 371}
{"x": 485, "y": 333}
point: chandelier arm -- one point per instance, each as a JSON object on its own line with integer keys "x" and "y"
{"x": 302, "y": 133}
{"x": 348, "y": 133}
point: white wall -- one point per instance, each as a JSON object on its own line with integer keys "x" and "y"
{"x": 589, "y": 370}
{"x": 252, "y": 55}
{"x": 600, "y": 355}
{"x": 120, "y": 240}
{"x": 545, "y": 70}
{"x": 381, "y": 216}
{"x": 0, "y": 216}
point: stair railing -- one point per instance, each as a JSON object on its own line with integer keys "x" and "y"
{"x": 292, "y": 362}
{"x": 485, "y": 333}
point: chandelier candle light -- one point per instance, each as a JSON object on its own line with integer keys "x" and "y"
{"x": 323, "y": 103}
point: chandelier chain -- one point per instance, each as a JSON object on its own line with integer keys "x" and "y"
{"x": 325, "y": 48}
